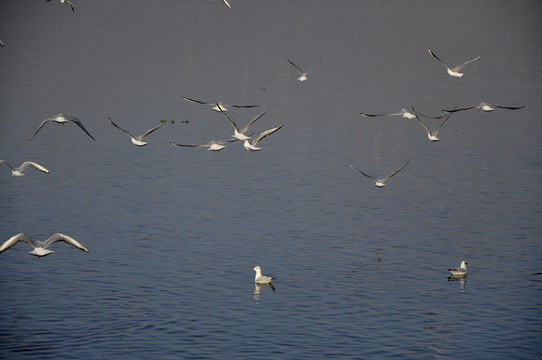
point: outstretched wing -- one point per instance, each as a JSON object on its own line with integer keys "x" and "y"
{"x": 244, "y": 106}
{"x": 395, "y": 172}
{"x": 227, "y": 117}
{"x": 182, "y": 145}
{"x": 226, "y": 3}
{"x": 461, "y": 109}
{"x": 312, "y": 68}
{"x": 34, "y": 165}
{"x": 509, "y": 107}
{"x": 65, "y": 238}
{"x": 253, "y": 121}
{"x": 42, "y": 125}
{"x": 459, "y": 67}
{"x": 361, "y": 172}
{"x": 76, "y": 121}
{"x": 435, "y": 56}
{"x": 265, "y": 134}
{"x": 14, "y": 240}
{"x": 121, "y": 129}
{"x": 5, "y": 163}
{"x": 197, "y": 101}
{"x": 442, "y": 123}
{"x": 151, "y": 130}
{"x": 294, "y": 65}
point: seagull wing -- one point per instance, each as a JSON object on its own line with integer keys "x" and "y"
{"x": 121, "y": 129}
{"x": 361, "y": 172}
{"x": 34, "y": 165}
{"x": 425, "y": 126}
{"x": 265, "y": 134}
{"x": 227, "y": 117}
{"x": 76, "y": 121}
{"x": 442, "y": 123}
{"x": 395, "y": 172}
{"x": 68, "y": 2}
{"x": 312, "y": 68}
{"x": 151, "y": 130}
{"x": 65, "y": 238}
{"x": 244, "y": 106}
{"x": 42, "y": 125}
{"x": 461, "y": 109}
{"x": 294, "y": 65}
{"x": 182, "y": 145}
{"x": 509, "y": 107}
{"x": 435, "y": 56}
{"x": 14, "y": 240}
{"x": 459, "y": 67}
{"x": 253, "y": 121}
{"x": 226, "y": 3}
{"x": 5, "y": 163}
{"x": 197, "y": 101}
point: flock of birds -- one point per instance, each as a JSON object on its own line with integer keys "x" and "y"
{"x": 249, "y": 142}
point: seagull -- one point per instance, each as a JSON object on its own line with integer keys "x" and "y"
{"x": 67, "y": 2}
{"x": 40, "y": 247}
{"x": 379, "y": 182}
{"x": 404, "y": 113}
{"x": 303, "y": 75}
{"x": 433, "y": 135}
{"x": 214, "y": 146}
{"x": 460, "y": 271}
{"x": 240, "y": 134}
{"x": 455, "y": 71}
{"x": 61, "y": 119}
{"x": 252, "y": 146}
{"x": 486, "y": 107}
{"x": 19, "y": 171}
{"x": 218, "y": 106}
{"x": 261, "y": 279}
{"x": 138, "y": 141}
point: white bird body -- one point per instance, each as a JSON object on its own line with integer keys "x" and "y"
{"x": 455, "y": 71}
{"x": 379, "y": 182}
{"x": 251, "y": 146}
{"x": 214, "y": 146}
{"x": 62, "y": 119}
{"x": 137, "y": 140}
{"x": 40, "y": 247}
{"x": 239, "y": 134}
{"x": 460, "y": 271}
{"x": 303, "y": 75}
{"x": 432, "y": 135}
{"x": 261, "y": 279}
{"x": 19, "y": 171}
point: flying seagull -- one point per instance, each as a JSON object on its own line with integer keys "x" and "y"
{"x": 404, "y": 113}
{"x": 486, "y": 107}
{"x": 379, "y": 182}
{"x": 460, "y": 271}
{"x": 240, "y": 134}
{"x": 433, "y": 135}
{"x": 218, "y": 106}
{"x": 67, "y": 2}
{"x": 19, "y": 171}
{"x": 302, "y": 75}
{"x": 61, "y": 119}
{"x": 40, "y": 247}
{"x": 455, "y": 71}
{"x": 214, "y": 146}
{"x": 251, "y": 146}
{"x": 138, "y": 141}
{"x": 261, "y": 279}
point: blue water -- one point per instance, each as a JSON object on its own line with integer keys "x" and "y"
{"x": 173, "y": 233}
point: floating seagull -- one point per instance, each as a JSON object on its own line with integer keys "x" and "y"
{"x": 404, "y": 113}
{"x": 433, "y": 135}
{"x": 455, "y": 71}
{"x": 214, "y": 146}
{"x": 138, "y": 141}
{"x": 460, "y": 271}
{"x": 67, "y": 2}
{"x": 218, "y": 106}
{"x": 486, "y": 107}
{"x": 261, "y": 279}
{"x": 19, "y": 171}
{"x": 379, "y": 182}
{"x": 240, "y": 134}
{"x": 61, "y": 119}
{"x": 303, "y": 75}
{"x": 252, "y": 146}
{"x": 40, "y": 247}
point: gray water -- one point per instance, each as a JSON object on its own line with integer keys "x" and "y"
{"x": 174, "y": 232}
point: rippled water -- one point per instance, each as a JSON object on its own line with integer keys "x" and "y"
{"x": 173, "y": 233}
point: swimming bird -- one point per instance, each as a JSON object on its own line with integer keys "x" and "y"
{"x": 67, "y": 2}
{"x": 486, "y": 107}
{"x": 379, "y": 182}
{"x": 433, "y": 135}
{"x": 19, "y": 171}
{"x": 460, "y": 271}
{"x": 261, "y": 279}
{"x": 404, "y": 113}
{"x": 40, "y": 247}
{"x": 214, "y": 146}
{"x": 62, "y": 119}
{"x": 251, "y": 146}
{"x": 138, "y": 141}
{"x": 240, "y": 134}
{"x": 303, "y": 75}
{"x": 455, "y": 71}
{"x": 218, "y": 106}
